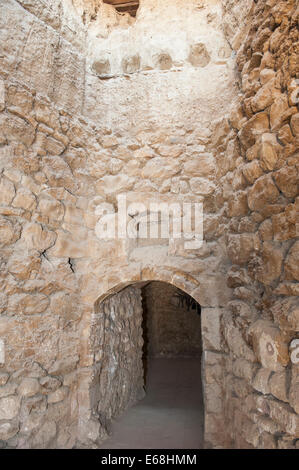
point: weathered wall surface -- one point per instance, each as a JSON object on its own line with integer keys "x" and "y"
{"x": 171, "y": 329}
{"x": 261, "y": 384}
{"x": 160, "y": 127}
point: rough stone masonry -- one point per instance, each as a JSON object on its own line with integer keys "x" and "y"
{"x": 190, "y": 100}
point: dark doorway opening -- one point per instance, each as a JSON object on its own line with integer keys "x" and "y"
{"x": 171, "y": 413}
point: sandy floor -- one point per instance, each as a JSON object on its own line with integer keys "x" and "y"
{"x": 171, "y": 414}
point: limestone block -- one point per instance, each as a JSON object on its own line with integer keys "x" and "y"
{"x": 8, "y": 389}
{"x": 58, "y": 395}
{"x": 213, "y": 398}
{"x": 203, "y": 166}
{"x": 271, "y": 265}
{"x": 237, "y": 204}
{"x": 267, "y": 441}
{"x": 261, "y": 381}
{"x": 277, "y": 111}
{"x": 283, "y": 415}
{"x": 8, "y": 430}
{"x": 292, "y": 263}
{"x": 244, "y": 369}
{"x": 21, "y": 264}
{"x": 64, "y": 365}
{"x": 237, "y": 118}
{"x": 220, "y": 131}
{"x": 240, "y": 247}
{"x": 33, "y": 304}
{"x": 53, "y": 146}
{"x": 212, "y": 292}
{"x": 236, "y": 342}
{"x": 210, "y": 324}
{"x": 35, "y": 405}
{"x": 19, "y": 101}
{"x": 237, "y": 277}
{"x": 59, "y": 173}
{"x": 266, "y": 75}
{"x": 263, "y": 192}
{"x": 286, "y": 314}
{"x": 284, "y": 224}
{"x": 266, "y": 230}
{"x": 264, "y": 97}
{"x": 278, "y": 384}
{"x": 110, "y": 184}
{"x": 256, "y": 126}
{"x": 35, "y": 370}
{"x": 241, "y": 387}
{"x": 28, "y": 387}
{"x": 285, "y": 135}
{"x": 73, "y": 215}
{"x": 287, "y": 180}
{"x": 69, "y": 245}
{"x": 266, "y": 424}
{"x": 202, "y": 186}
{"x": 49, "y": 384}
{"x": 7, "y": 191}
{"x": 161, "y": 167}
{"x": 4, "y": 376}
{"x": 37, "y": 238}
{"x": 101, "y": 67}
{"x": 171, "y": 151}
{"x": 9, "y": 407}
{"x": 32, "y": 423}
{"x": 199, "y": 55}
{"x": 252, "y": 171}
{"x": 51, "y": 209}
{"x": 8, "y": 234}
{"x": 268, "y": 151}
{"x": 45, "y": 435}
{"x": 24, "y": 199}
{"x": 17, "y": 130}
{"x": 269, "y": 345}
{"x": 144, "y": 152}
{"x": 46, "y": 114}
{"x": 3, "y": 302}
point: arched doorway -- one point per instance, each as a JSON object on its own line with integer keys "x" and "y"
{"x": 148, "y": 364}
{"x": 92, "y": 424}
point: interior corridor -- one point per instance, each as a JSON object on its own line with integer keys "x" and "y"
{"x": 171, "y": 414}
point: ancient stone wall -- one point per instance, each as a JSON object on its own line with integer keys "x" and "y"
{"x": 261, "y": 182}
{"x": 41, "y": 83}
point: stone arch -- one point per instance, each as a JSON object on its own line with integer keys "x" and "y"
{"x": 177, "y": 278}
{"x": 89, "y": 428}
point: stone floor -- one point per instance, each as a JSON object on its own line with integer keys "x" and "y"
{"x": 171, "y": 414}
